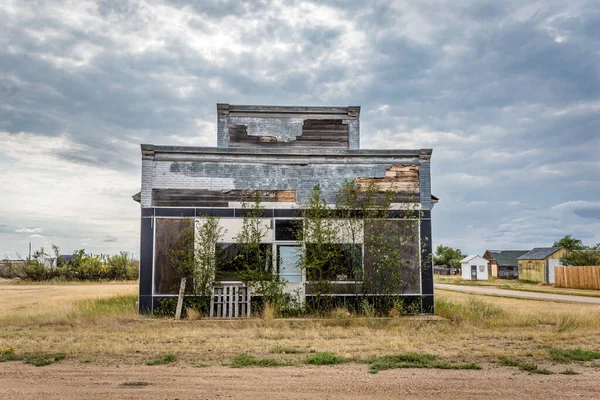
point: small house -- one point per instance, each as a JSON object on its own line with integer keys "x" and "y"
{"x": 504, "y": 263}
{"x": 538, "y": 264}
{"x": 474, "y": 268}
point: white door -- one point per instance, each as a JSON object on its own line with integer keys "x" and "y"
{"x": 551, "y": 264}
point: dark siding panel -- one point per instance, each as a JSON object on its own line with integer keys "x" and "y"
{"x": 405, "y": 236}
{"x": 336, "y": 288}
{"x": 146, "y": 251}
{"x": 168, "y": 232}
{"x": 426, "y": 269}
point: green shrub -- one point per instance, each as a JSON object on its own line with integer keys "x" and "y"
{"x": 324, "y": 359}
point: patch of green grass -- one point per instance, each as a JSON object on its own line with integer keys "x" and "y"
{"x": 509, "y": 362}
{"x": 569, "y": 371}
{"x": 414, "y": 360}
{"x": 564, "y": 356}
{"x": 166, "y": 359}
{"x": 41, "y": 360}
{"x": 533, "y": 369}
{"x": 445, "y": 365}
{"x": 524, "y": 366}
{"x": 248, "y": 360}
{"x": 286, "y": 350}
{"x": 324, "y": 359}
{"x": 8, "y": 354}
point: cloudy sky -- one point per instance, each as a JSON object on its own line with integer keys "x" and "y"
{"x": 506, "y": 93}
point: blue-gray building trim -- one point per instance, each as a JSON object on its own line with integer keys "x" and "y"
{"x": 146, "y": 265}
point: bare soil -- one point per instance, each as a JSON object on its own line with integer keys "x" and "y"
{"x": 69, "y": 380}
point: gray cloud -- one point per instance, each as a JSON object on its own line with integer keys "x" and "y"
{"x": 505, "y": 92}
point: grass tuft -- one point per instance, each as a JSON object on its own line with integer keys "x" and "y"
{"x": 566, "y": 323}
{"x": 414, "y": 360}
{"x": 286, "y": 350}
{"x": 524, "y": 366}
{"x": 324, "y": 359}
{"x": 166, "y": 359}
{"x": 533, "y": 368}
{"x": 564, "y": 356}
{"x": 248, "y": 360}
{"x": 446, "y": 365}
{"x": 569, "y": 371}
{"x": 8, "y": 354}
{"x": 42, "y": 360}
{"x": 509, "y": 362}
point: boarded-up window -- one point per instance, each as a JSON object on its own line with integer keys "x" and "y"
{"x": 169, "y": 232}
{"x": 399, "y": 241}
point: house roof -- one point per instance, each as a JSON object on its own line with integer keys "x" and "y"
{"x": 507, "y": 258}
{"x": 539, "y": 253}
{"x": 469, "y": 258}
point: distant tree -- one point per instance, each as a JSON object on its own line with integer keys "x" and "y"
{"x": 570, "y": 243}
{"x": 445, "y": 255}
{"x": 582, "y": 258}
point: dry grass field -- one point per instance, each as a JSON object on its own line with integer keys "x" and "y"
{"x": 515, "y": 284}
{"x": 96, "y": 328}
{"x": 99, "y": 323}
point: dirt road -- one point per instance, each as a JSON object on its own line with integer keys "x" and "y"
{"x": 78, "y": 381}
{"x": 493, "y": 291}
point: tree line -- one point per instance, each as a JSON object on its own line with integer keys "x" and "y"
{"x": 81, "y": 266}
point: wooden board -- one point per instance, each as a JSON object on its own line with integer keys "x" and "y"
{"x": 331, "y": 133}
{"x": 215, "y": 198}
{"x": 398, "y": 178}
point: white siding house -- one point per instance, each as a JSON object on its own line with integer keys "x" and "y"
{"x": 474, "y": 268}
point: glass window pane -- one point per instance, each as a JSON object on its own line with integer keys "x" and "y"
{"x": 288, "y": 229}
{"x": 288, "y": 258}
{"x": 231, "y": 260}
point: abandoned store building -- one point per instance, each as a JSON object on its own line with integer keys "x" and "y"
{"x": 281, "y": 154}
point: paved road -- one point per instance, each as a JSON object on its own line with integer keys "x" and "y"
{"x": 493, "y": 291}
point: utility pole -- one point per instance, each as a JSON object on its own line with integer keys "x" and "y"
{"x": 29, "y": 250}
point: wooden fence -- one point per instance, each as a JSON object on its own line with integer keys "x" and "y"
{"x": 577, "y": 277}
{"x": 230, "y": 302}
